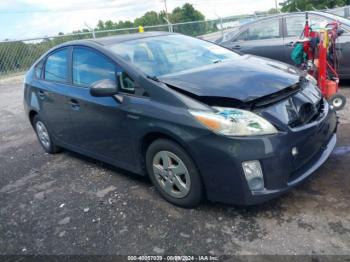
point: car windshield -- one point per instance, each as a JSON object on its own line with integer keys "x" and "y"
{"x": 162, "y": 55}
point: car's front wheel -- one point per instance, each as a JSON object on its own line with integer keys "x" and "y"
{"x": 174, "y": 174}
{"x": 44, "y": 136}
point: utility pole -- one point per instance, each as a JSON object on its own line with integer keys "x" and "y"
{"x": 276, "y": 6}
{"x": 221, "y": 24}
{"x": 167, "y": 16}
{"x": 166, "y": 10}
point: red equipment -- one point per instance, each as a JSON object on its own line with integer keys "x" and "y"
{"x": 321, "y": 52}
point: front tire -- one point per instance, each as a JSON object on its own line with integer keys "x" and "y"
{"x": 174, "y": 174}
{"x": 44, "y": 136}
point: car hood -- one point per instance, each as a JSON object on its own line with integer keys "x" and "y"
{"x": 246, "y": 78}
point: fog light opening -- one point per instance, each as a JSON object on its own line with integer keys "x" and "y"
{"x": 253, "y": 174}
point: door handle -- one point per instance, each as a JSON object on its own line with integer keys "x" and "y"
{"x": 41, "y": 94}
{"x": 133, "y": 117}
{"x": 74, "y": 104}
{"x": 236, "y": 47}
{"x": 290, "y": 44}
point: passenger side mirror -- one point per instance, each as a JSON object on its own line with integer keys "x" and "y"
{"x": 104, "y": 87}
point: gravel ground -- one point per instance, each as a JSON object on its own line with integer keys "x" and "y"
{"x": 68, "y": 204}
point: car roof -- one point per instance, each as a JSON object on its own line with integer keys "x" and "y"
{"x": 110, "y": 40}
{"x": 324, "y": 14}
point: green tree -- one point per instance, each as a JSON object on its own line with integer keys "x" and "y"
{"x": 149, "y": 18}
{"x": 100, "y": 25}
{"x": 109, "y": 25}
{"x": 187, "y": 13}
{"x": 306, "y": 5}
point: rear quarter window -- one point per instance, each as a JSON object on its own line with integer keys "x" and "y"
{"x": 38, "y": 69}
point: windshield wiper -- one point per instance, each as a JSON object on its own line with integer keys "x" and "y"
{"x": 154, "y": 78}
{"x": 217, "y": 61}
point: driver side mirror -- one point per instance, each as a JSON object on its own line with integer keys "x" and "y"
{"x": 104, "y": 87}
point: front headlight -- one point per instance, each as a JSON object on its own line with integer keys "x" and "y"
{"x": 234, "y": 122}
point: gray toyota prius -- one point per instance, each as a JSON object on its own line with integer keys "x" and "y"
{"x": 200, "y": 120}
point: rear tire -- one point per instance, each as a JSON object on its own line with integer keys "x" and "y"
{"x": 174, "y": 174}
{"x": 44, "y": 136}
{"x": 338, "y": 101}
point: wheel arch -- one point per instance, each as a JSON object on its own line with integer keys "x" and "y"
{"x": 32, "y": 114}
{"x": 152, "y": 136}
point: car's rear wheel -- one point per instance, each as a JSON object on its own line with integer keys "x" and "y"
{"x": 44, "y": 136}
{"x": 174, "y": 174}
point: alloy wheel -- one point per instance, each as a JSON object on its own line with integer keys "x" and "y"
{"x": 171, "y": 174}
{"x": 43, "y": 134}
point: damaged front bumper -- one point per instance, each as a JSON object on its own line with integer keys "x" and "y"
{"x": 220, "y": 160}
{"x": 296, "y": 177}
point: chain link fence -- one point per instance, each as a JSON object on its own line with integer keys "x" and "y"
{"x": 17, "y": 56}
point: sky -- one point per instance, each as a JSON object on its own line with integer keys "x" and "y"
{"x": 21, "y": 19}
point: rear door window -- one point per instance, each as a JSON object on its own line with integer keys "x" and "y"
{"x": 56, "y": 67}
{"x": 295, "y": 24}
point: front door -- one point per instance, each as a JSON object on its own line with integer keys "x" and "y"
{"x": 100, "y": 122}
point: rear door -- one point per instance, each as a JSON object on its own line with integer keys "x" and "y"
{"x": 343, "y": 48}
{"x": 344, "y": 54}
{"x": 293, "y": 29}
{"x": 262, "y": 38}
{"x": 53, "y": 91}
